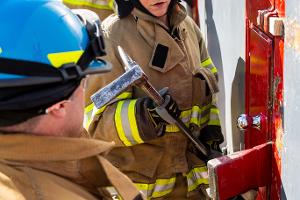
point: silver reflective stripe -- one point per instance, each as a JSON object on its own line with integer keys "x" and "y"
{"x": 158, "y": 189}
{"x": 214, "y": 117}
{"x": 208, "y": 63}
{"x": 113, "y": 193}
{"x": 195, "y": 115}
{"x": 126, "y": 123}
{"x": 196, "y": 177}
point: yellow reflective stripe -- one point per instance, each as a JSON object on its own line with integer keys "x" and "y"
{"x": 171, "y": 129}
{"x": 92, "y": 5}
{"x": 1, "y": 50}
{"x": 132, "y": 121}
{"x": 58, "y": 59}
{"x": 111, "y": 4}
{"x": 125, "y": 95}
{"x": 208, "y": 63}
{"x": 89, "y": 108}
{"x": 160, "y": 188}
{"x": 214, "y": 110}
{"x": 98, "y": 111}
{"x": 90, "y": 111}
{"x": 196, "y": 177}
{"x": 119, "y": 126}
{"x": 195, "y": 115}
{"x": 214, "y": 123}
{"x": 126, "y": 123}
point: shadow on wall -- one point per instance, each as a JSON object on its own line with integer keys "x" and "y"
{"x": 214, "y": 49}
{"x": 238, "y": 104}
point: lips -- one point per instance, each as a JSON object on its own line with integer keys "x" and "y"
{"x": 159, "y": 4}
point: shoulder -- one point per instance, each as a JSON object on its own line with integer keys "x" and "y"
{"x": 115, "y": 28}
{"x": 193, "y": 28}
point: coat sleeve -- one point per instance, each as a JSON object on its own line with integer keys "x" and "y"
{"x": 125, "y": 120}
{"x": 211, "y": 134}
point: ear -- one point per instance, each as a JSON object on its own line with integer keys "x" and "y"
{"x": 58, "y": 109}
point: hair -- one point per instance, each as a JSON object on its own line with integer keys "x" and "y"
{"x": 23, "y": 127}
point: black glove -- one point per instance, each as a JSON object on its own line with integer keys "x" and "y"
{"x": 157, "y": 112}
{"x": 150, "y": 122}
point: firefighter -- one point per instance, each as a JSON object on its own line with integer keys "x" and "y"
{"x": 103, "y": 8}
{"x": 169, "y": 47}
{"x": 41, "y": 106}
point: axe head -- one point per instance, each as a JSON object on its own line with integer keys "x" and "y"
{"x": 103, "y": 96}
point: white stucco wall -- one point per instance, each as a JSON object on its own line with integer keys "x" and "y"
{"x": 223, "y": 25}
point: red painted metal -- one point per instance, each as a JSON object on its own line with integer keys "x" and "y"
{"x": 269, "y": 99}
{"x": 258, "y": 87}
{"x": 259, "y": 166}
{"x": 241, "y": 171}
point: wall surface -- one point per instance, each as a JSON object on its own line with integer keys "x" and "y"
{"x": 223, "y": 25}
{"x": 291, "y": 137}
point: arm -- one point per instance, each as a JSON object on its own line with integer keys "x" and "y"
{"x": 125, "y": 120}
{"x": 211, "y": 134}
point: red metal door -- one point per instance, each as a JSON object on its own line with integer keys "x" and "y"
{"x": 264, "y": 53}
{"x": 259, "y": 165}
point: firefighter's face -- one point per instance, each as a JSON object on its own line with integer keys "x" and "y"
{"x": 157, "y": 8}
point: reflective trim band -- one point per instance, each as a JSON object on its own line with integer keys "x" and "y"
{"x": 124, "y": 95}
{"x": 214, "y": 117}
{"x": 126, "y": 123}
{"x": 195, "y": 115}
{"x": 119, "y": 126}
{"x": 99, "y": 5}
{"x": 160, "y": 188}
{"x": 111, "y": 4}
{"x": 90, "y": 111}
{"x": 132, "y": 121}
{"x": 196, "y": 177}
{"x": 58, "y": 59}
{"x": 208, "y": 63}
{"x": 113, "y": 193}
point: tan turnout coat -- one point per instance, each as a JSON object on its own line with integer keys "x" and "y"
{"x": 47, "y": 168}
{"x": 156, "y": 163}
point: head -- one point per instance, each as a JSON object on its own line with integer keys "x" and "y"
{"x": 156, "y": 8}
{"x": 46, "y": 50}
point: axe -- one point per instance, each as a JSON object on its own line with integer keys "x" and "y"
{"x": 134, "y": 75}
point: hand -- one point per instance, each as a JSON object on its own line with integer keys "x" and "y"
{"x": 165, "y": 113}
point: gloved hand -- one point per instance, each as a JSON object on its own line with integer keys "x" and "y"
{"x": 158, "y": 112}
{"x": 152, "y": 119}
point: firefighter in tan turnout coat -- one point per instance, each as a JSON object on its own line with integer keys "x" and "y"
{"x": 168, "y": 45}
{"x": 41, "y": 107}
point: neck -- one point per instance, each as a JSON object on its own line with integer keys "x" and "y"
{"x": 164, "y": 19}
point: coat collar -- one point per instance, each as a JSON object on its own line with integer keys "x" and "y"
{"x": 178, "y": 15}
{"x": 156, "y": 33}
{"x": 22, "y": 147}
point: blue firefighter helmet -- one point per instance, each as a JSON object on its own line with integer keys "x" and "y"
{"x": 45, "y": 50}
